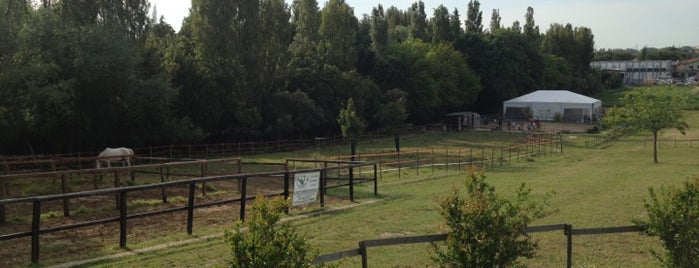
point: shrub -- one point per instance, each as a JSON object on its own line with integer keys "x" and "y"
{"x": 674, "y": 218}
{"x": 261, "y": 241}
{"x": 484, "y": 229}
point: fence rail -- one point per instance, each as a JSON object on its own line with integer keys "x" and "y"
{"x": 190, "y": 184}
{"x": 567, "y": 229}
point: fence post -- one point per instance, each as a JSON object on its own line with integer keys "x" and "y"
{"x": 362, "y": 251}
{"x": 243, "y": 197}
{"x": 560, "y": 139}
{"x": 3, "y": 191}
{"x": 446, "y": 159}
{"x": 417, "y": 163}
{"x": 432, "y": 160}
{"x": 203, "y": 174}
{"x": 376, "y": 183}
{"x": 66, "y": 203}
{"x": 323, "y": 183}
{"x": 398, "y": 154}
{"x": 492, "y": 157}
{"x": 122, "y": 219}
{"x": 117, "y": 183}
{"x": 163, "y": 190}
{"x": 351, "y": 181}
{"x": 569, "y": 249}
{"x": 36, "y": 224}
{"x": 190, "y": 208}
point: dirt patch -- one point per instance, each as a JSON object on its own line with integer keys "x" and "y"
{"x": 99, "y": 240}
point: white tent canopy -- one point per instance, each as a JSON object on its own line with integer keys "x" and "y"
{"x": 553, "y": 105}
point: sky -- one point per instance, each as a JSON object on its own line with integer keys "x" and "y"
{"x": 614, "y": 23}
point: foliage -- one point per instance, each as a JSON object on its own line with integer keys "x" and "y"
{"x": 673, "y": 216}
{"x": 487, "y": 230}
{"x": 82, "y": 75}
{"x": 648, "y": 111}
{"x": 351, "y": 124}
{"x": 261, "y": 241}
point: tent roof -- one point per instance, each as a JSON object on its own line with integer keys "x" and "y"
{"x": 555, "y": 96}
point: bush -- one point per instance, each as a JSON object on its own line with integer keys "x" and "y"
{"x": 486, "y": 230}
{"x": 261, "y": 241}
{"x": 675, "y": 220}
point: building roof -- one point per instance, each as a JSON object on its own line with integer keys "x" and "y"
{"x": 554, "y": 96}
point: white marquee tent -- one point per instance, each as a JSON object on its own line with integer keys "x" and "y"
{"x": 553, "y": 105}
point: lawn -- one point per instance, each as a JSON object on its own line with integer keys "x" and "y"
{"x": 589, "y": 187}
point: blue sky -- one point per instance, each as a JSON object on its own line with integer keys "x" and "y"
{"x": 615, "y": 23}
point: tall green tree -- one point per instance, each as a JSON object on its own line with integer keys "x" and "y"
{"x": 647, "y": 111}
{"x": 474, "y": 18}
{"x": 418, "y": 21}
{"x": 379, "y": 30}
{"x": 441, "y": 25}
{"x": 338, "y": 31}
{"x": 351, "y": 124}
{"x": 495, "y": 20}
{"x": 393, "y": 113}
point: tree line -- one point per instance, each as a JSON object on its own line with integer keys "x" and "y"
{"x": 83, "y": 75}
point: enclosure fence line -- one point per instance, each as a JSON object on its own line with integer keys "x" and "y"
{"x": 458, "y": 159}
{"x": 121, "y": 194}
{"x": 567, "y": 229}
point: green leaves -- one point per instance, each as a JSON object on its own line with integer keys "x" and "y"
{"x": 486, "y": 230}
{"x": 351, "y": 124}
{"x": 261, "y": 241}
{"x": 647, "y": 111}
{"x": 673, "y": 217}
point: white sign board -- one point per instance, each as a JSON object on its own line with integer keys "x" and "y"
{"x": 305, "y": 188}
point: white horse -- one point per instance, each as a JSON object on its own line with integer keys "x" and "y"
{"x": 122, "y": 154}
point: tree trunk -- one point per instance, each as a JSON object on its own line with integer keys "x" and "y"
{"x": 353, "y": 149}
{"x": 396, "y": 141}
{"x": 655, "y": 146}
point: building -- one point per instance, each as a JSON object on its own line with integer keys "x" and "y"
{"x": 688, "y": 69}
{"x": 639, "y": 72}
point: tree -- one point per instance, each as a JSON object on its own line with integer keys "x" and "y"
{"x": 485, "y": 229}
{"x": 351, "y": 124}
{"x": 474, "y": 18}
{"x": 495, "y": 21}
{"x": 261, "y": 241}
{"x": 338, "y": 32}
{"x": 673, "y": 216}
{"x": 392, "y": 115}
{"x": 418, "y": 21}
{"x": 647, "y": 111}
{"x": 379, "y": 30}
{"x": 441, "y": 25}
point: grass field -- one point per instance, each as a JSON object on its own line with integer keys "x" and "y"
{"x": 588, "y": 187}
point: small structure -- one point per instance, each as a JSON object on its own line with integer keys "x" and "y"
{"x": 466, "y": 120}
{"x": 553, "y": 105}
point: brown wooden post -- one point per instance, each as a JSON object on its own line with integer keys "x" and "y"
{"x": 66, "y": 201}
{"x": 117, "y": 183}
{"x": 203, "y": 174}
{"x": 417, "y": 163}
{"x": 163, "y": 190}
{"x": 36, "y": 227}
{"x": 3, "y": 195}
{"x": 398, "y": 154}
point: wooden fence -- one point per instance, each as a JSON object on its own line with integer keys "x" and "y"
{"x": 567, "y": 229}
{"x": 122, "y": 194}
{"x": 419, "y": 160}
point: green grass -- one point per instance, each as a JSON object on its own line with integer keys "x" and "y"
{"x": 592, "y": 187}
